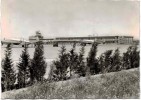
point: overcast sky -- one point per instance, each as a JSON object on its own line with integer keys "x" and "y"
{"x": 21, "y": 18}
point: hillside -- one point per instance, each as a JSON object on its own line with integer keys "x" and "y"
{"x": 121, "y": 85}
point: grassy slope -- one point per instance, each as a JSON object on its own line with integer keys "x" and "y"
{"x": 123, "y": 84}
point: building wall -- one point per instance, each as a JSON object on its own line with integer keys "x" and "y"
{"x": 103, "y": 39}
{"x": 100, "y": 39}
{"x": 125, "y": 39}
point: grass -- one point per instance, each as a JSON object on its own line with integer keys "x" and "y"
{"x": 115, "y": 85}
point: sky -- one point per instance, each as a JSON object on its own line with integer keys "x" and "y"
{"x": 59, "y": 18}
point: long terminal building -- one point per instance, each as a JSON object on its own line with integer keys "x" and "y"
{"x": 102, "y": 39}
{"x": 99, "y": 39}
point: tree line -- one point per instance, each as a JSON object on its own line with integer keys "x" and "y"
{"x": 68, "y": 65}
{"x": 28, "y": 71}
{"x": 72, "y": 64}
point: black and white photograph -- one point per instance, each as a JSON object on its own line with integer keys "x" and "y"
{"x": 70, "y": 49}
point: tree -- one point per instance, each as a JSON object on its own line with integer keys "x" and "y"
{"x": 23, "y": 68}
{"x": 116, "y": 61}
{"x": 126, "y": 56}
{"x": 61, "y": 65}
{"x": 2, "y": 76}
{"x": 136, "y": 57}
{"x": 38, "y": 63}
{"x": 8, "y": 72}
{"x": 2, "y": 82}
{"x": 107, "y": 61}
{"x": 92, "y": 61}
{"x": 81, "y": 68}
{"x": 101, "y": 63}
{"x": 73, "y": 60}
{"x": 131, "y": 58}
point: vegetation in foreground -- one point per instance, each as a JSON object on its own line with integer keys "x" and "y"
{"x": 69, "y": 65}
{"x": 122, "y": 85}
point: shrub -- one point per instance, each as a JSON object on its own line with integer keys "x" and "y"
{"x": 116, "y": 61}
{"x": 73, "y": 60}
{"x": 81, "y": 67}
{"x": 61, "y": 65}
{"x": 131, "y": 58}
{"x": 105, "y": 61}
{"x": 92, "y": 62}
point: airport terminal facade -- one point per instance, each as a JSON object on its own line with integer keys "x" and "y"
{"x": 99, "y": 39}
{"x": 102, "y": 39}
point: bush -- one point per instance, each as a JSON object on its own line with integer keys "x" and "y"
{"x": 116, "y": 61}
{"x": 61, "y": 65}
{"x": 131, "y": 58}
{"x": 73, "y": 61}
{"x": 92, "y": 62}
{"x": 81, "y": 67}
{"x": 105, "y": 61}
